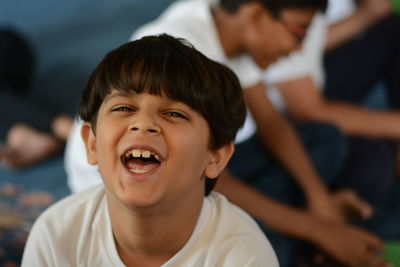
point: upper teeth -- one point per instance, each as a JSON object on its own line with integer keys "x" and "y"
{"x": 136, "y": 153}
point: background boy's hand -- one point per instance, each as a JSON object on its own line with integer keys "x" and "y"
{"x": 349, "y": 245}
{"x": 326, "y": 207}
{"x": 340, "y": 206}
{"x": 351, "y": 205}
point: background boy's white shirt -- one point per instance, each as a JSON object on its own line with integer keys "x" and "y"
{"x": 339, "y": 9}
{"x": 80, "y": 174}
{"x": 77, "y": 232}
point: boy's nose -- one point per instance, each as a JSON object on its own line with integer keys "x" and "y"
{"x": 151, "y": 130}
{"x": 145, "y": 125}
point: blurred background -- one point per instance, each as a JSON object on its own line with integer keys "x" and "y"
{"x": 69, "y": 38}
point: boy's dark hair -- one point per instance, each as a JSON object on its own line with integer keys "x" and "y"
{"x": 164, "y": 65}
{"x": 276, "y": 6}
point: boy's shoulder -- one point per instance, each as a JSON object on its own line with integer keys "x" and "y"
{"x": 233, "y": 221}
{"x": 231, "y": 235}
{"x": 73, "y": 231}
{"x": 78, "y": 202}
{"x": 77, "y": 209}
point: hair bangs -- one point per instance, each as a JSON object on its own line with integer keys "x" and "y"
{"x": 168, "y": 73}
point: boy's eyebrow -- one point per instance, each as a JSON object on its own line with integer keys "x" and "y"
{"x": 118, "y": 94}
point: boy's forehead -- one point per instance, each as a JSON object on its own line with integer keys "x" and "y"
{"x": 114, "y": 93}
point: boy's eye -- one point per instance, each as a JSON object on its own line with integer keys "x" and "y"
{"x": 176, "y": 114}
{"x": 123, "y": 108}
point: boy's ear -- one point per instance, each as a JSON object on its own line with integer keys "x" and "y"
{"x": 218, "y": 160}
{"x": 89, "y": 139}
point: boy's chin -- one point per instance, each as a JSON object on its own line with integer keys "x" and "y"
{"x": 136, "y": 198}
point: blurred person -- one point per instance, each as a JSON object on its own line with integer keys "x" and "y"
{"x": 362, "y": 49}
{"x": 28, "y": 131}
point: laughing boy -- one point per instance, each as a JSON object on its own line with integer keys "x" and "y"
{"x": 160, "y": 121}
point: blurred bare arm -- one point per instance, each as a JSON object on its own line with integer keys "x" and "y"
{"x": 305, "y": 102}
{"x": 368, "y": 12}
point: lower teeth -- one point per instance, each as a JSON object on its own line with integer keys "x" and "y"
{"x": 138, "y": 171}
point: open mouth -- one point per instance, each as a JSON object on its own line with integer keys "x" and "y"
{"x": 140, "y": 161}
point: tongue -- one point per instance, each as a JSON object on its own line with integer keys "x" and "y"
{"x": 141, "y": 165}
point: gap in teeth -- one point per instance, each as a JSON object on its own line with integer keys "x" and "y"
{"x": 136, "y": 153}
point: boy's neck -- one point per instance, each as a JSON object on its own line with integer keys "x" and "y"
{"x": 151, "y": 239}
{"x": 229, "y": 29}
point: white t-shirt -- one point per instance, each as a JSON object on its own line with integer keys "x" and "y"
{"x": 339, "y": 9}
{"x": 77, "y": 232}
{"x": 191, "y": 20}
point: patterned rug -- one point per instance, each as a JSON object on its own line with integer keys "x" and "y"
{"x": 23, "y": 197}
{"x": 18, "y": 211}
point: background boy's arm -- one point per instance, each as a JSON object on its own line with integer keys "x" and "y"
{"x": 368, "y": 13}
{"x": 346, "y": 244}
{"x": 279, "y": 137}
{"x": 305, "y": 102}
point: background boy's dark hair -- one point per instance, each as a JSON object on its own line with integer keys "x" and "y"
{"x": 276, "y": 6}
{"x": 167, "y": 65}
